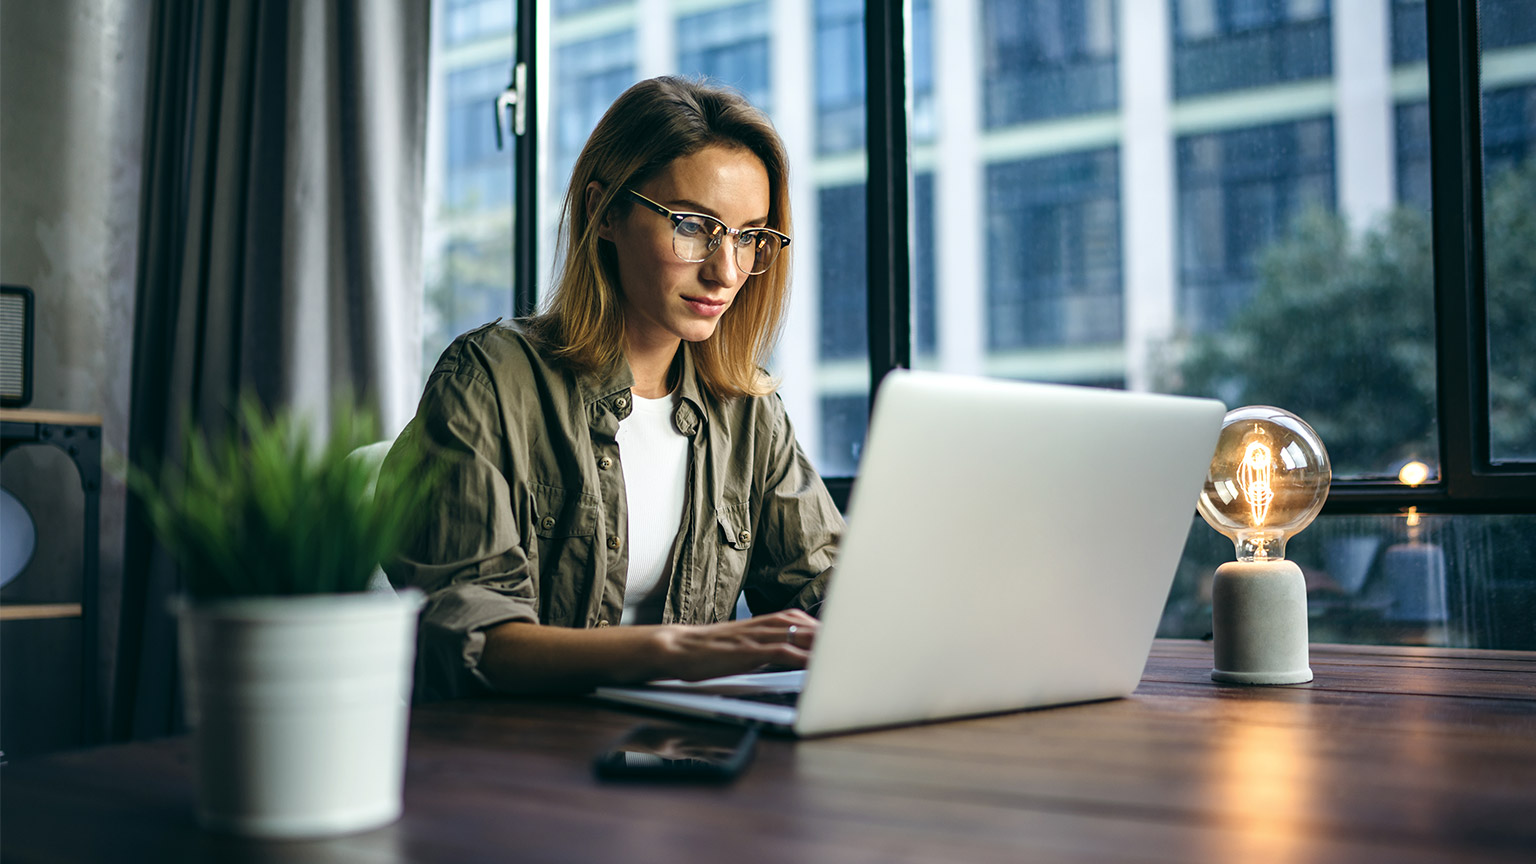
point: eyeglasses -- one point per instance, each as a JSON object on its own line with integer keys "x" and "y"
{"x": 696, "y": 236}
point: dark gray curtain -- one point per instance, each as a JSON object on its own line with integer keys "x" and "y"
{"x": 279, "y": 250}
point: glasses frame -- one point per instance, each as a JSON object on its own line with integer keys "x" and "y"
{"x": 718, "y": 240}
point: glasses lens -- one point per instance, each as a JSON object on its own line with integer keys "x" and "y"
{"x": 696, "y": 236}
{"x": 755, "y": 255}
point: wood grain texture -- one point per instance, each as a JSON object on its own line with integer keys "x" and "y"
{"x": 54, "y": 418}
{"x": 1391, "y": 754}
{"x": 34, "y": 611}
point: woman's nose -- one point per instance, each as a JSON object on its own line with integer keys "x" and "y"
{"x": 721, "y": 267}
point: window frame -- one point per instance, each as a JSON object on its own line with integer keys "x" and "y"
{"x": 1469, "y": 480}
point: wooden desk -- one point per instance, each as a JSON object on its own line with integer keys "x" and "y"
{"x": 1392, "y": 754}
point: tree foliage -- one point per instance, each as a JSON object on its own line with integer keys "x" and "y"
{"x": 1341, "y": 331}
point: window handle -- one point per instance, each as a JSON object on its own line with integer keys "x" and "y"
{"x": 513, "y": 98}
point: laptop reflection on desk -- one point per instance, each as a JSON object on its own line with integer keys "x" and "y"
{"x": 1009, "y": 546}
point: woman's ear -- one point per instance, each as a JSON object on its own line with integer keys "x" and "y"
{"x": 594, "y": 195}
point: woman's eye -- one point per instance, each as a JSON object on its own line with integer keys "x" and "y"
{"x": 692, "y": 228}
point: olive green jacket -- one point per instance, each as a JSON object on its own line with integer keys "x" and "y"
{"x": 529, "y": 518}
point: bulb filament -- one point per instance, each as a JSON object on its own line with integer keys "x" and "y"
{"x": 1254, "y": 479}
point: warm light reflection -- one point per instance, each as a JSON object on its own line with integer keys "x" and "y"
{"x": 1265, "y": 777}
{"x": 1413, "y": 474}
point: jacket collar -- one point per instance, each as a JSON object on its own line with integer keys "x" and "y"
{"x": 612, "y": 387}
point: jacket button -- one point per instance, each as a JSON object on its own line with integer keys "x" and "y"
{"x": 621, "y": 403}
{"x": 605, "y": 463}
{"x": 613, "y": 542}
{"x": 603, "y": 623}
{"x": 744, "y": 536}
{"x": 547, "y": 523}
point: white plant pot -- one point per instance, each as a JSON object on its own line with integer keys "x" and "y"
{"x": 299, "y": 708}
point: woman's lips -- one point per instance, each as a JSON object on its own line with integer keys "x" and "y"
{"x": 705, "y": 307}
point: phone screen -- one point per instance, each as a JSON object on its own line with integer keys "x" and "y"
{"x": 681, "y": 752}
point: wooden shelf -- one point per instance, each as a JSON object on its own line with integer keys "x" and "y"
{"x": 35, "y": 611}
{"x": 53, "y": 418}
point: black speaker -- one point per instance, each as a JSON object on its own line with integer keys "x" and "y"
{"x": 15, "y": 346}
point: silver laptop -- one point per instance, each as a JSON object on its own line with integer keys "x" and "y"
{"x": 1009, "y": 546}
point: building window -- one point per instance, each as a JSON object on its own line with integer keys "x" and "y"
{"x": 1502, "y": 24}
{"x": 1408, "y": 38}
{"x": 840, "y": 85}
{"x": 921, "y": 121}
{"x": 1053, "y": 251}
{"x": 844, "y": 420}
{"x": 731, "y": 46}
{"x": 924, "y": 302}
{"x": 571, "y": 7}
{"x": 1509, "y": 128}
{"x": 589, "y": 76}
{"x": 1224, "y": 45}
{"x": 1238, "y": 192}
{"x": 1047, "y": 58}
{"x": 844, "y": 272}
{"x": 471, "y": 20}
{"x": 477, "y": 176}
{"x": 1412, "y": 135}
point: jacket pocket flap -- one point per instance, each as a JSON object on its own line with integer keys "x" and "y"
{"x": 556, "y": 514}
{"x": 735, "y": 525}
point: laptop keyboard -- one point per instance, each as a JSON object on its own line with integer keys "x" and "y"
{"x": 781, "y": 697}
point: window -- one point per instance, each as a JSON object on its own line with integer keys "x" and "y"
{"x": 729, "y": 45}
{"x": 571, "y": 7}
{"x": 1224, "y": 45}
{"x": 844, "y": 420}
{"x": 1142, "y": 195}
{"x": 839, "y": 75}
{"x": 589, "y": 75}
{"x": 924, "y": 280}
{"x": 844, "y": 292}
{"x": 1053, "y": 242}
{"x": 469, "y": 20}
{"x": 1509, "y": 225}
{"x": 478, "y": 176}
{"x": 1048, "y": 58}
{"x": 1238, "y": 192}
{"x": 1412, "y": 127}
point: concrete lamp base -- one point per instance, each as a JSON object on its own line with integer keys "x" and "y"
{"x": 1259, "y": 620}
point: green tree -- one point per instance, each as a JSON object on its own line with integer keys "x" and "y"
{"x": 1341, "y": 331}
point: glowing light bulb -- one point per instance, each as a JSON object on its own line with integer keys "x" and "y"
{"x": 1268, "y": 479}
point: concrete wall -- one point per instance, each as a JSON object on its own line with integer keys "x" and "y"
{"x": 72, "y": 88}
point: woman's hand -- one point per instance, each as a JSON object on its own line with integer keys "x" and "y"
{"x": 699, "y": 651}
{"x": 521, "y": 657}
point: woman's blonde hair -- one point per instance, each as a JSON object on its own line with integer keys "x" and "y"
{"x": 644, "y": 130}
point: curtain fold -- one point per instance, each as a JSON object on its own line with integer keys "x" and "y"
{"x": 280, "y": 249}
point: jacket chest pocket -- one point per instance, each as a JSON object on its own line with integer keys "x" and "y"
{"x": 565, "y": 525}
{"x": 733, "y": 549}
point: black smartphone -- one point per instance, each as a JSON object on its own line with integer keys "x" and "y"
{"x": 668, "y": 752}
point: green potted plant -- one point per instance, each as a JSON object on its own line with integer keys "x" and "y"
{"x": 297, "y": 676}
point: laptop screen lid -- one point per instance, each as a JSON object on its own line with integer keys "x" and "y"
{"x": 1010, "y": 545}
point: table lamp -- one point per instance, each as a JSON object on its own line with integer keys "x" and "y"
{"x": 1267, "y": 481}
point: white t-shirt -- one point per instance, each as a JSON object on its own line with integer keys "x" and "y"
{"x": 655, "y": 458}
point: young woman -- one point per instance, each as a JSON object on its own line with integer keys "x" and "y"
{"x": 621, "y": 458}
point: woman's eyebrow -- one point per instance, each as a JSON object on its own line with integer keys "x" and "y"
{"x": 696, "y": 207}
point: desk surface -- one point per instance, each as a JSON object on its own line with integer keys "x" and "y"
{"x": 1392, "y": 754}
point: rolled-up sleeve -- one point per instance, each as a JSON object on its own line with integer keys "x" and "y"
{"x": 466, "y": 552}
{"x": 798, "y": 528}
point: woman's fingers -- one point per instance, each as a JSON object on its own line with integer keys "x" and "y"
{"x": 779, "y": 639}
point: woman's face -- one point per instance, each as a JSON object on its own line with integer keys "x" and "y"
{"x": 666, "y": 298}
